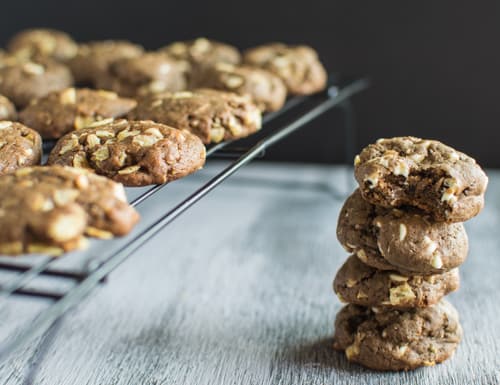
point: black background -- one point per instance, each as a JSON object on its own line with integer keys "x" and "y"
{"x": 433, "y": 64}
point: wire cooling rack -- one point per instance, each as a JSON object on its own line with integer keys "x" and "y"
{"x": 86, "y": 276}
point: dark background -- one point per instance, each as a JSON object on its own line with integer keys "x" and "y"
{"x": 433, "y": 64}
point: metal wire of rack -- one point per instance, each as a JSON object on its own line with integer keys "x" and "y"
{"x": 88, "y": 278}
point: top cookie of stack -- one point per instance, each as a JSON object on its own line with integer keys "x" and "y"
{"x": 426, "y": 174}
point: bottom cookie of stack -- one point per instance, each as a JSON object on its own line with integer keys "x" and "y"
{"x": 390, "y": 339}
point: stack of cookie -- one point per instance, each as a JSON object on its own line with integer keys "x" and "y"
{"x": 403, "y": 226}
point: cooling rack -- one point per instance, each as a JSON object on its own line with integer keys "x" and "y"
{"x": 87, "y": 276}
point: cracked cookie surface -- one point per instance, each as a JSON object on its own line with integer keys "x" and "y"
{"x": 149, "y": 73}
{"x": 94, "y": 58}
{"x": 406, "y": 240}
{"x": 264, "y": 88}
{"x": 363, "y": 285}
{"x": 50, "y": 209}
{"x": 211, "y": 115}
{"x": 72, "y": 109}
{"x": 20, "y": 146}
{"x": 135, "y": 153}
{"x": 43, "y": 42}
{"x": 24, "y": 80}
{"x": 409, "y": 171}
{"x": 397, "y": 339}
{"x": 298, "y": 66}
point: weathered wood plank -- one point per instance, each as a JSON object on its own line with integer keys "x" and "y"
{"x": 238, "y": 291}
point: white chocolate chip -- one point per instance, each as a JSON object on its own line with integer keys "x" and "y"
{"x": 351, "y": 282}
{"x": 402, "y": 232}
{"x": 357, "y": 160}
{"x": 429, "y": 246}
{"x": 361, "y": 255}
{"x": 454, "y": 156}
{"x": 402, "y": 350}
{"x": 436, "y": 261}
{"x": 402, "y": 169}
{"x": 361, "y": 295}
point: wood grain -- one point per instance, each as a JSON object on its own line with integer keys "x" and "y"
{"x": 238, "y": 291}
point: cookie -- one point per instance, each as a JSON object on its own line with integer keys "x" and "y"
{"x": 135, "y": 153}
{"x": 7, "y": 109}
{"x": 73, "y": 109}
{"x": 363, "y": 285}
{"x": 93, "y": 59}
{"x": 298, "y": 66}
{"x": 204, "y": 51}
{"x": 409, "y": 171}
{"x": 266, "y": 90}
{"x": 51, "y": 43}
{"x": 389, "y": 339}
{"x": 211, "y": 115}
{"x": 405, "y": 240}
{"x": 20, "y": 146}
{"x": 50, "y": 209}
{"x": 22, "y": 81}
{"x": 149, "y": 73}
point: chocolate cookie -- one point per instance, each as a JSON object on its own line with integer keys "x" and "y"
{"x": 50, "y": 209}
{"x": 298, "y": 66}
{"x": 94, "y": 58}
{"x": 7, "y": 109}
{"x": 135, "y": 153}
{"x": 363, "y": 285}
{"x": 22, "y": 81}
{"x": 73, "y": 109}
{"x": 202, "y": 50}
{"x": 393, "y": 239}
{"x": 20, "y": 146}
{"x": 388, "y": 339}
{"x": 265, "y": 89}
{"x": 51, "y": 43}
{"x": 408, "y": 171}
{"x": 146, "y": 74}
{"x": 211, "y": 115}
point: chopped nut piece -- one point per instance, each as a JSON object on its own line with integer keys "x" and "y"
{"x": 98, "y": 233}
{"x": 129, "y": 170}
{"x": 398, "y": 278}
{"x": 101, "y": 154}
{"x": 401, "y": 294}
{"x": 102, "y": 122}
{"x": 43, "y": 249}
{"x": 352, "y": 351}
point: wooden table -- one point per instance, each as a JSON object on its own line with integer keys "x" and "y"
{"x": 238, "y": 291}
